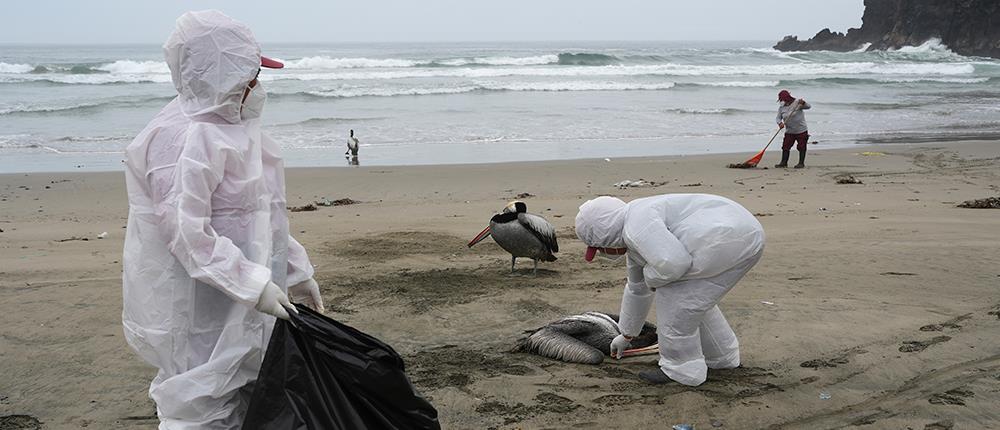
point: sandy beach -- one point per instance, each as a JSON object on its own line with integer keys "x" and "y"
{"x": 875, "y": 305}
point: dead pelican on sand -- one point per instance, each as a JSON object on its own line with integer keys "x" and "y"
{"x": 584, "y": 338}
{"x": 521, "y": 234}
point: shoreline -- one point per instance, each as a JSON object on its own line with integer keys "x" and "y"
{"x": 771, "y": 151}
{"x": 881, "y": 295}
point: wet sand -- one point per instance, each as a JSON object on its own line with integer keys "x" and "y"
{"x": 883, "y": 296}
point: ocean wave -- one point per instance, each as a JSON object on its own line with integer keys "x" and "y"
{"x": 934, "y": 80}
{"x": 350, "y": 92}
{"x": 323, "y": 62}
{"x": 563, "y": 59}
{"x": 739, "y": 84}
{"x": 328, "y": 121}
{"x": 22, "y": 109}
{"x": 19, "y": 141}
{"x": 538, "y": 60}
{"x": 15, "y": 68}
{"x": 87, "y": 79}
{"x": 92, "y": 138}
{"x": 587, "y": 59}
{"x": 129, "y": 67}
{"x": 932, "y": 45}
{"x": 862, "y": 48}
{"x": 882, "y": 81}
{"x": 801, "y": 69}
{"x": 710, "y": 111}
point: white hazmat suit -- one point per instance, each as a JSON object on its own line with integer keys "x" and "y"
{"x": 685, "y": 252}
{"x": 207, "y": 229}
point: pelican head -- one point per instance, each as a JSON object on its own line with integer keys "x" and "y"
{"x": 516, "y": 206}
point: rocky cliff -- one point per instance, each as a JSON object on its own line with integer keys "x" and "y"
{"x": 968, "y": 27}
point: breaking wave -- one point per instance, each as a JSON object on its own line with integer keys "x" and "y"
{"x": 585, "y": 59}
{"x": 711, "y": 111}
{"x": 28, "y": 109}
{"x": 16, "y": 68}
{"x": 322, "y": 62}
{"x": 539, "y": 60}
{"x": 489, "y": 86}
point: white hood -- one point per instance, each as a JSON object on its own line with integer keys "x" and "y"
{"x": 212, "y": 59}
{"x": 600, "y": 222}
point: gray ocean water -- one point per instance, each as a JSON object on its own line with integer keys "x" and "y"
{"x": 69, "y": 108}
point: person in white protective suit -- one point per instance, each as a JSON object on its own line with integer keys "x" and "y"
{"x": 684, "y": 252}
{"x": 207, "y": 257}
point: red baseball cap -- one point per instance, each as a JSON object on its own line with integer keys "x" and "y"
{"x": 270, "y": 64}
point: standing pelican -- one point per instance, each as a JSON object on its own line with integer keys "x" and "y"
{"x": 521, "y": 234}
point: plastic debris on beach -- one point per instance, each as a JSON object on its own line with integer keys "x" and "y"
{"x": 848, "y": 179}
{"x": 102, "y": 235}
{"x": 682, "y": 427}
{"x": 987, "y": 203}
{"x": 73, "y": 238}
{"x": 825, "y": 396}
{"x": 641, "y": 183}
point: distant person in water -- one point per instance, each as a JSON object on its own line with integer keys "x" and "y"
{"x": 352, "y": 145}
{"x": 792, "y": 118}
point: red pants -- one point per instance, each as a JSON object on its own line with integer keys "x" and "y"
{"x": 801, "y": 138}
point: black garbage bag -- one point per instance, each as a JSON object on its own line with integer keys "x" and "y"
{"x": 320, "y": 374}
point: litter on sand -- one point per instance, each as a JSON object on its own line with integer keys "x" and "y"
{"x": 848, "y": 179}
{"x": 641, "y": 183}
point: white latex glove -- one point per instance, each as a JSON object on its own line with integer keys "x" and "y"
{"x": 274, "y": 302}
{"x": 619, "y": 345}
{"x": 307, "y": 293}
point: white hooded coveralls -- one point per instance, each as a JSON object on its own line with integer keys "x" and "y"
{"x": 685, "y": 252}
{"x": 207, "y": 229}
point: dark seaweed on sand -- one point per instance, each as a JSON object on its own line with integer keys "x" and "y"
{"x": 743, "y": 165}
{"x": 987, "y": 203}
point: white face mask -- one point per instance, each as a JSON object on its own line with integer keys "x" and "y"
{"x": 253, "y": 106}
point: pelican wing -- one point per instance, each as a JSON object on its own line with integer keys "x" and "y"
{"x": 540, "y": 228}
{"x": 554, "y": 343}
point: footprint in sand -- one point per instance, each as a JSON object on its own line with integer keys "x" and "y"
{"x": 951, "y": 397}
{"x": 951, "y": 324}
{"x": 26, "y": 422}
{"x": 920, "y": 345}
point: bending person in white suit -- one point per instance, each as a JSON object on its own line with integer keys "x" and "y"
{"x": 684, "y": 252}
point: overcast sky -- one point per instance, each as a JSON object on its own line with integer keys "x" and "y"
{"x": 144, "y": 21}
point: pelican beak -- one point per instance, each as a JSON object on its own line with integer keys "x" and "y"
{"x": 479, "y": 237}
{"x": 649, "y": 350}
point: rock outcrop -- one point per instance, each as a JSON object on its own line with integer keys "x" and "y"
{"x": 967, "y": 27}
